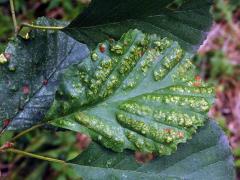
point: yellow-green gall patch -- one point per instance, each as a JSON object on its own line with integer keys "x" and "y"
{"x": 3, "y": 59}
{"x": 136, "y": 93}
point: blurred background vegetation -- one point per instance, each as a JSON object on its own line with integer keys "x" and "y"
{"x": 28, "y": 11}
{"x": 218, "y": 61}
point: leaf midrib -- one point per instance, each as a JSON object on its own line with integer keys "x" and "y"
{"x": 108, "y": 100}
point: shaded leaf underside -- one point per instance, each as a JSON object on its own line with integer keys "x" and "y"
{"x": 138, "y": 93}
{"x": 206, "y": 156}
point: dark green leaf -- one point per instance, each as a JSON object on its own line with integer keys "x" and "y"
{"x": 207, "y": 156}
{"x": 105, "y": 19}
{"x": 137, "y": 93}
{"x": 28, "y": 77}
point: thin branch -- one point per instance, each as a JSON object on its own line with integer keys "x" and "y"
{"x": 40, "y": 27}
{"x": 14, "y": 17}
{"x": 35, "y": 156}
{"x": 25, "y": 132}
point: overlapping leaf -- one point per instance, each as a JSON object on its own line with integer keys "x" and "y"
{"x": 186, "y": 23}
{"x": 29, "y": 71}
{"x": 206, "y": 156}
{"x": 138, "y": 93}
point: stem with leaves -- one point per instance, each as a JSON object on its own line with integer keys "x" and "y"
{"x": 17, "y": 30}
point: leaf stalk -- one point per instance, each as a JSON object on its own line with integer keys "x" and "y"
{"x": 32, "y": 26}
{"x": 12, "y": 150}
{"x": 14, "y": 17}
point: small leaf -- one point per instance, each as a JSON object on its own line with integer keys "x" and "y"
{"x": 25, "y": 67}
{"x": 207, "y": 156}
{"x": 138, "y": 94}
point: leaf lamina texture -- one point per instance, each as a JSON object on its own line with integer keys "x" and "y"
{"x": 137, "y": 93}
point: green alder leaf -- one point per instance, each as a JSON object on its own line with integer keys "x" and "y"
{"x": 183, "y": 21}
{"x": 207, "y": 156}
{"x": 137, "y": 93}
{"x": 29, "y": 72}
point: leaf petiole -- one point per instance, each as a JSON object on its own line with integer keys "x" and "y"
{"x": 55, "y": 28}
{"x": 13, "y": 17}
{"x": 35, "y": 156}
